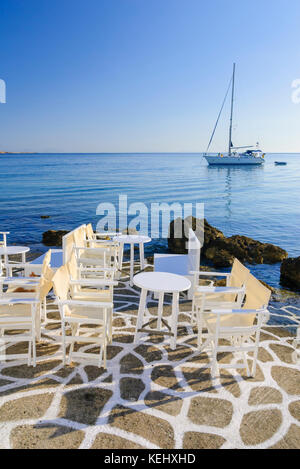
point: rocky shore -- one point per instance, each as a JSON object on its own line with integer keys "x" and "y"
{"x": 221, "y": 250}
{"x": 218, "y": 250}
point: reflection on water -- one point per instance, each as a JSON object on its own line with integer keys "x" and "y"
{"x": 227, "y": 174}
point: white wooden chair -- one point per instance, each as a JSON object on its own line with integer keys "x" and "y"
{"x": 96, "y": 236}
{"x": 105, "y": 254}
{"x": 18, "y": 286}
{"x": 18, "y": 312}
{"x": 237, "y": 278}
{"x": 240, "y": 326}
{"x": 82, "y": 311}
{"x": 3, "y": 241}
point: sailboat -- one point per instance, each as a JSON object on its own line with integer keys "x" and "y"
{"x": 233, "y": 157}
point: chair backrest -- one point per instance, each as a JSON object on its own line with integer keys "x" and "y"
{"x": 257, "y": 295}
{"x": 89, "y": 232}
{"x": 194, "y": 249}
{"x": 68, "y": 242}
{"x": 239, "y": 274}
{"x": 73, "y": 267}
{"x": 61, "y": 282}
{"x": 3, "y": 241}
{"x": 80, "y": 236}
{"x": 45, "y": 283}
{"x": 46, "y": 262}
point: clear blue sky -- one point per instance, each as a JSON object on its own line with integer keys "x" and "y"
{"x": 147, "y": 75}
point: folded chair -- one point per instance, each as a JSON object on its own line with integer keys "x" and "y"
{"x": 240, "y": 326}
{"x": 76, "y": 311}
{"x": 23, "y": 313}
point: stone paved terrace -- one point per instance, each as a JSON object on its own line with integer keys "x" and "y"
{"x": 151, "y": 396}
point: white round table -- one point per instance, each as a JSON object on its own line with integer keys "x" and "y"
{"x": 13, "y": 250}
{"x": 161, "y": 283}
{"x": 132, "y": 240}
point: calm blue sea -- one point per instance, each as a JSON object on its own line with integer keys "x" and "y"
{"x": 260, "y": 202}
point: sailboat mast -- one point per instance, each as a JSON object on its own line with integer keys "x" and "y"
{"x": 231, "y": 113}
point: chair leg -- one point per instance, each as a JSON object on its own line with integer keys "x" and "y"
{"x": 38, "y": 325}
{"x": 101, "y": 357}
{"x": 29, "y": 353}
{"x": 214, "y": 364}
{"x": 193, "y": 320}
{"x": 160, "y": 310}
{"x": 45, "y": 310}
{"x": 104, "y": 354}
{"x": 200, "y": 327}
{"x": 74, "y": 330}
{"x": 33, "y": 332}
{"x": 110, "y": 327}
{"x": 33, "y": 352}
{"x": 63, "y": 332}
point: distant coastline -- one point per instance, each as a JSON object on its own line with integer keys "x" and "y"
{"x": 17, "y": 153}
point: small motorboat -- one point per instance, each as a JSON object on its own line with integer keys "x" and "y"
{"x": 280, "y": 163}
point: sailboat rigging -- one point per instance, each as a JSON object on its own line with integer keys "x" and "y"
{"x": 249, "y": 157}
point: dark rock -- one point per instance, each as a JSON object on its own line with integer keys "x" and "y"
{"x": 221, "y": 251}
{"x": 178, "y": 245}
{"x": 53, "y": 237}
{"x": 290, "y": 273}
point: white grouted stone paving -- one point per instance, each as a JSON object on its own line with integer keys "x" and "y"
{"x": 151, "y": 396}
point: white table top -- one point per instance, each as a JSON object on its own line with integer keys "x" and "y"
{"x": 161, "y": 282}
{"x": 10, "y": 250}
{"x": 132, "y": 239}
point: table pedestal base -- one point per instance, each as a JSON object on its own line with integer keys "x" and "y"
{"x": 172, "y": 329}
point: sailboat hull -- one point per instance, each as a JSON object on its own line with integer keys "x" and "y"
{"x": 233, "y": 160}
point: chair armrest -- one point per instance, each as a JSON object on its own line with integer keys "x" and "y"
{"x": 207, "y": 289}
{"x": 107, "y": 233}
{"x": 95, "y": 250}
{"x": 93, "y": 282}
{"x": 236, "y": 311}
{"x": 92, "y": 304}
{"x": 210, "y": 274}
{"x": 28, "y": 281}
{"x": 95, "y": 269}
{"x": 14, "y": 301}
{"x": 18, "y": 264}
